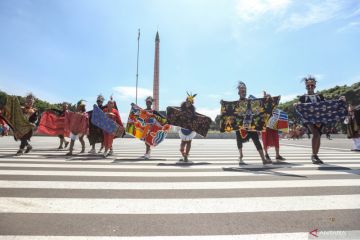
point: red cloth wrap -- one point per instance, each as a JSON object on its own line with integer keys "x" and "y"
{"x": 270, "y": 138}
{"x": 109, "y": 138}
{"x": 77, "y": 123}
{"x": 52, "y": 124}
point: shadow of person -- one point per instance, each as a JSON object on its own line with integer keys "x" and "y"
{"x": 183, "y": 164}
{"x": 47, "y": 149}
{"x": 262, "y": 171}
{"x": 285, "y": 164}
{"x": 130, "y": 160}
{"x": 337, "y": 168}
{"x": 80, "y": 157}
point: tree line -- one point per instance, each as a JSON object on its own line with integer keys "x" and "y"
{"x": 352, "y": 94}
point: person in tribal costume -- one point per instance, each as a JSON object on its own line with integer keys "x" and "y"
{"x": 61, "y": 113}
{"x": 270, "y": 138}
{"x": 352, "y": 122}
{"x": 32, "y": 115}
{"x": 113, "y": 114}
{"x": 315, "y": 129}
{"x": 77, "y": 124}
{"x": 65, "y": 107}
{"x": 149, "y": 101}
{"x": 4, "y": 128}
{"x": 96, "y": 134}
{"x": 187, "y": 135}
{"x": 244, "y": 136}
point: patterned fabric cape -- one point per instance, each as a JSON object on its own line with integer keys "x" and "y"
{"x": 200, "y": 123}
{"x": 279, "y": 121}
{"x": 108, "y": 125}
{"x": 95, "y": 134}
{"x": 249, "y": 114}
{"x": 326, "y": 112}
{"x": 76, "y": 123}
{"x": 148, "y": 126}
{"x": 15, "y": 117}
{"x": 52, "y": 124}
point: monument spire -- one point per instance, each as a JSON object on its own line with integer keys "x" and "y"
{"x": 156, "y": 72}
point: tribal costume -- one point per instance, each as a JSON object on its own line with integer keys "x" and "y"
{"x": 31, "y": 115}
{"x": 4, "y": 128}
{"x": 147, "y": 125}
{"x": 113, "y": 114}
{"x": 77, "y": 124}
{"x": 243, "y": 135}
{"x": 313, "y": 98}
{"x": 352, "y": 122}
{"x": 149, "y": 101}
{"x": 315, "y": 128}
{"x": 62, "y": 136}
{"x": 186, "y": 135}
{"x": 53, "y": 123}
{"x": 270, "y": 138}
{"x": 96, "y": 134}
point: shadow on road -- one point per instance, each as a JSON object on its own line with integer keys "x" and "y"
{"x": 48, "y": 150}
{"x": 183, "y": 164}
{"x": 286, "y": 164}
{"x": 122, "y": 160}
{"x": 79, "y": 157}
{"x": 263, "y": 171}
{"x": 330, "y": 167}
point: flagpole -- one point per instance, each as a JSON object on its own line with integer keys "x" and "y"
{"x": 137, "y": 66}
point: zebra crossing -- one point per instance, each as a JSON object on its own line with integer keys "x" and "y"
{"x": 46, "y": 195}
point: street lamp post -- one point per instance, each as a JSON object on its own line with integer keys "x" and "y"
{"x": 137, "y": 66}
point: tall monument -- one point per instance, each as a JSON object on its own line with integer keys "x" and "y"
{"x": 156, "y": 73}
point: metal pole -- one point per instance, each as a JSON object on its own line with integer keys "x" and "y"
{"x": 137, "y": 66}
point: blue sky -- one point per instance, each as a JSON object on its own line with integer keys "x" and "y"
{"x": 69, "y": 50}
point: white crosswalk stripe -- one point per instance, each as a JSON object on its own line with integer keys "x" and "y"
{"x": 180, "y": 185}
{"x": 46, "y": 195}
{"x": 171, "y": 206}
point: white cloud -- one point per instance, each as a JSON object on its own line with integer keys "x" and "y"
{"x": 127, "y": 93}
{"x": 289, "y": 97}
{"x": 251, "y": 10}
{"x": 350, "y": 26}
{"x": 214, "y": 96}
{"x": 315, "y": 13}
{"x": 124, "y": 117}
{"x": 289, "y": 15}
{"x": 354, "y": 13}
{"x": 210, "y": 112}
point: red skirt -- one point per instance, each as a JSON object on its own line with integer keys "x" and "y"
{"x": 270, "y": 138}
